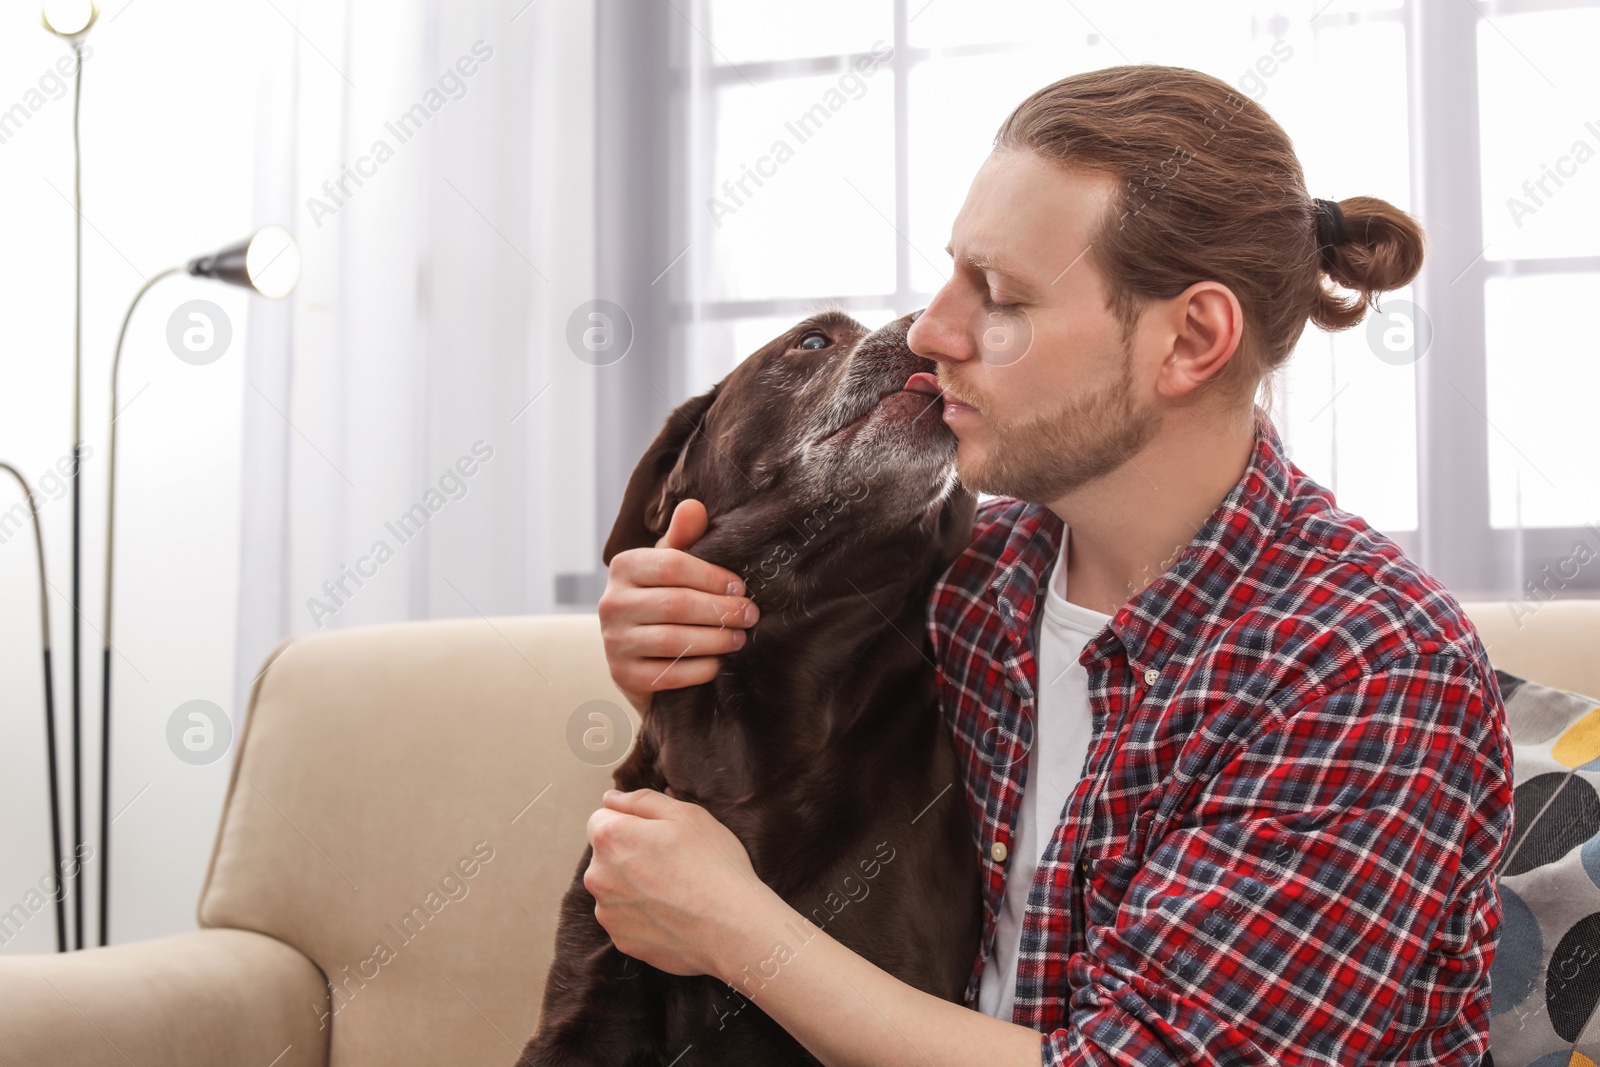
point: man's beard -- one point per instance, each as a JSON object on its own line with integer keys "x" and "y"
{"x": 1044, "y": 457}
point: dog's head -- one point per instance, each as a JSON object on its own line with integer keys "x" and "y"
{"x": 829, "y": 438}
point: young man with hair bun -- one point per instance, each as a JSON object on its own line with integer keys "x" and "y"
{"x": 1251, "y": 759}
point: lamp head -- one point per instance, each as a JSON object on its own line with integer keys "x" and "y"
{"x": 69, "y": 19}
{"x": 267, "y": 261}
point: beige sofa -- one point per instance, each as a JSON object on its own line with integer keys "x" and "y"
{"x": 384, "y": 764}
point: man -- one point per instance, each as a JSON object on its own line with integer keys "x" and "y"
{"x": 1250, "y": 760}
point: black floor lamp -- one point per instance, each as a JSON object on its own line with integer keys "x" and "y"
{"x": 268, "y": 262}
{"x": 49, "y": 715}
{"x": 70, "y": 20}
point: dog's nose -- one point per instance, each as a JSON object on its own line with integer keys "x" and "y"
{"x": 914, "y": 316}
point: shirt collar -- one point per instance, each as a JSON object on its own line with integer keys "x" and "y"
{"x": 1168, "y": 611}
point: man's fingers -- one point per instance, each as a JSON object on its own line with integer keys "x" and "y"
{"x": 645, "y": 803}
{"x": 662, "y": 567}
{"x": 666, "y": 616}
{"x": 654, "y": 675}
{"x": 685, "y": 606}
{"x": 688, "y": 525}
{"x": 676, "y": 642}
{"x": 622, "y": 609}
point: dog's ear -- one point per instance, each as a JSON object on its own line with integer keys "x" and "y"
{"x": 653, "y": 490}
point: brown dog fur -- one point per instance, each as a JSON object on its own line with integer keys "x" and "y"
{"x": 819, "y": 743}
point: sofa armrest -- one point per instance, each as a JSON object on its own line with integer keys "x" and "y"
{"x": 209, "y": 997}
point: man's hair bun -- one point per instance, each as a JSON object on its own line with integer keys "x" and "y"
{"x": 1381, "y": 250}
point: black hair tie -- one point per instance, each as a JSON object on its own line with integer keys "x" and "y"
{"x": 1330, "y": 229}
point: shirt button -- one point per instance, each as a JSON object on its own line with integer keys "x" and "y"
{"x": 1083, "y": 868}
{"x": 998, "y": 851}
{"x": 1150, "y": 675}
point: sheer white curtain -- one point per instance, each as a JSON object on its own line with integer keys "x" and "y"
{"x": 418, "y": 437}
{"x": 436, "y": 162}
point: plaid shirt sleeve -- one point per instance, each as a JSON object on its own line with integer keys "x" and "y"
{"x": 1324, "y": 893}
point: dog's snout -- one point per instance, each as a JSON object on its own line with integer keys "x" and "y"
{"x": 914, "y": 316}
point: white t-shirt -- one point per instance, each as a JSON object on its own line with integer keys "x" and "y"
{"x": 1062, "y": 727}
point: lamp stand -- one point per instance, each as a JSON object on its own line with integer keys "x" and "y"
{"x": 238, "y": 264}
{"x": 49, "y": 715}
{"x": 77, "y": 496}
{"x": 105, "y": 652}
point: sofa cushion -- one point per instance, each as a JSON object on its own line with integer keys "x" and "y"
{"x": 1545, "y": 980}
{"x": 408, "y": 807}
{"x": 200, "y": 998}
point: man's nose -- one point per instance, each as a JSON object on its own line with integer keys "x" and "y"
{"x": 934, "y": 339}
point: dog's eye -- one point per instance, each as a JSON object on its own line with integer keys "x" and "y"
{"x": 817, "y": 336}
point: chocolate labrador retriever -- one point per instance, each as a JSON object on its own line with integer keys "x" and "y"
{"x": 829, "y": 478}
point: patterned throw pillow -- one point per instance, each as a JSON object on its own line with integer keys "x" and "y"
{"x": 1545, "y": 983}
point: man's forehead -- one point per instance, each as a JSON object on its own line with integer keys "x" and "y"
{"x": 1041, "y": 224}
{"x": 1015, "y": 197}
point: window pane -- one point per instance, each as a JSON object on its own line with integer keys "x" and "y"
{"x": 1543, "y": 378}
{"x": 958, "y": 103}
{"x": 1222, "y": 38}
{"x": 1363, "y": 66}
{"x": 942, "y": 24}
{"x": 1347, "y": 415}
{"x": 1215, "y": 37}
{"x": 955, "y": 108}
{"x": 1349, "y": 420}
{"x": 744, "y": 31}
{"x": 803, "y": 188}
{"x": 1537, "y": 87}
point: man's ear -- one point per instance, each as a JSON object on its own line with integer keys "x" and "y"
{"x": 648, "y": 501}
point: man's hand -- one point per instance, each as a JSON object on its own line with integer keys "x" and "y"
{"x": 674, "y": 888}
{"x": 670, "y": 882}
{"x": 666, "y": 616}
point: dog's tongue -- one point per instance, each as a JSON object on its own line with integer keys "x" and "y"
{"x": 923, "y": 382}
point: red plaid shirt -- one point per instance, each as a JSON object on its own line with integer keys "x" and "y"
{"x": 1283, "y": 846}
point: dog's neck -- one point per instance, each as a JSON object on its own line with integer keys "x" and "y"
{"x": 775, "y": 726}
{"x": 839, "y": 597}
{"x": 804, "y": 730}
{"x": 837, "y": 672}
{"x": 842, "y": 635}
{"x": 794, "y": 559}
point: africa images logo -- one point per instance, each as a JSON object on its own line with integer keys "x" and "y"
{"x": 453, "y": 485}
{"x": 452, "y": 85}
{"x": 847, "y": 87}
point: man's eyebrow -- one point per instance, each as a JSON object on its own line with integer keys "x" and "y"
{"x": 980, "y": 261}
